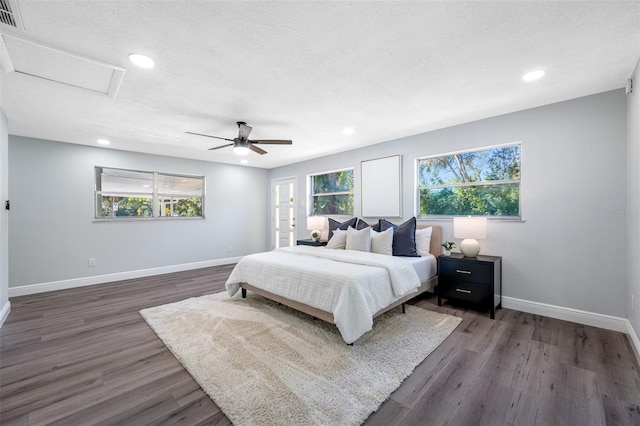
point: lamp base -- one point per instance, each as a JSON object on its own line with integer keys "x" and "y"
{"x": 469, "y": 247}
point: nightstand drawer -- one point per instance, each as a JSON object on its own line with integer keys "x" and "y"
{"x": 467, "y": 271}
{"x": 467, "y": 291}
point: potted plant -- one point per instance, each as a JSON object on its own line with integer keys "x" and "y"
{"x": 315, "y": 235}
{"x": 448, "y": 245}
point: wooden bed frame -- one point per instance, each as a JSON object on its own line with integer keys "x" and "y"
{"x": 435, "y": 248}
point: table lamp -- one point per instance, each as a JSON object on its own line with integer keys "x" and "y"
{"x": 469, "y": 228}
{"x": 315, "y": 224}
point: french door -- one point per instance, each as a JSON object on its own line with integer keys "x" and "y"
{"x": 283, "y": 213}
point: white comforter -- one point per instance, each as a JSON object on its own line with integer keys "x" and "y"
{"x": 353, "y": 285}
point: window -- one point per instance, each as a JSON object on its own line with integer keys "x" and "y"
{"x": 477, "y": 183}
{"x": 331, "y": 193}
{"x": 131, "y": 194}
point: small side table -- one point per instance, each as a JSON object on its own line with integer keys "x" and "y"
{"x": 309, "y": 242}
{"x": 477, "y": 280}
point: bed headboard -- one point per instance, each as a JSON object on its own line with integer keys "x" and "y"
{"x": 435, "y": 247}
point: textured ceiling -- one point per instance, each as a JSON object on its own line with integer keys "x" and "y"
{"x": 306, "y": 70}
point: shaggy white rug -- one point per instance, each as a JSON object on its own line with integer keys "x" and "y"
{"x": 265, "y": 364}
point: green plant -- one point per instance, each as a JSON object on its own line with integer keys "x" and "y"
{"x": 448, "y": 245}
{"x": 315, "y": 234}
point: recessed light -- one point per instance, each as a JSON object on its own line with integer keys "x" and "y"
{"x": 533, "y": 75}
{"x": 141, "y": 60}
{"x": 146, "y": 185}
{"x": 103, "y": 142}
{"x": 244, "y": 161}
{"x": 348, "y": 130}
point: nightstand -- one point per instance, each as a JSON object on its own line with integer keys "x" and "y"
{"x": 477, "y": 280}
{"x": 309, "y": 242}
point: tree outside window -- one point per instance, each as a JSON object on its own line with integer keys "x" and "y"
{"x": 133, "y": 194}
{"x": 332, "y": 193}
{"x": 476, "y": 183}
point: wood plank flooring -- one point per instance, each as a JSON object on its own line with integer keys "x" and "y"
{"x": 85, "y": 356}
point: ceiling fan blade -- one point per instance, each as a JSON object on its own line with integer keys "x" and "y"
{"x": 209, "y": 136}
{"x": 273, "y": 142}
{"x": 254, "y": 148}
{"x": 221, "y": 146}
{"x": 244, "y": 130}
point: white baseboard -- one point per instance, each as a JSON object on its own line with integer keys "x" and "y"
{"x": 119, "y": 276}
{"x": 635, "y": 342}
{"x": 607, "y": 322}
{"x": 4, "y": 312}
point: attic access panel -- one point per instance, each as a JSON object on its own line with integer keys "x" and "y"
{"x": 39, "y": 61}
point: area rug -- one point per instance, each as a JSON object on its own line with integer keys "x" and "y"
{"x": 265, "y": 364}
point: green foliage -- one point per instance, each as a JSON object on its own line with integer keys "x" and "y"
{"x": 127, "y": 207}
{"x": 328, "y": 183}
{"x": 324, "y": 188}
{"x": 188, "y": 207}
{"x": 448, "y": 245}
{"x": 446, "y": 183}
{"x": 142, "y": 207}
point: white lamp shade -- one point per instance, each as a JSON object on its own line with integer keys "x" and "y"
{"x": 315, "y": 223}
{"x": 470, "y": 227}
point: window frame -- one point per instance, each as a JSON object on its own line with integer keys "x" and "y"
{"x": 311, "y": 194}
{"x": 153, "y": 195}
{"x": 418, "y": 188}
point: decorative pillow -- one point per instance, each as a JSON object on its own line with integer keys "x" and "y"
{"x": 382, "y": 242}
{"x": 358, "y": 240}
{"x": 423, "y": 240}
{"x": 404, "y": 237}
{"x": 339, "y": 240}
{"x": 361, "y": 224}
{"x": 334, "y": 224}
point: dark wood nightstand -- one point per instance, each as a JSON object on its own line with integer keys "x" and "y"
{"x": 477, "y": 280}
{"x": 309, "y": 242}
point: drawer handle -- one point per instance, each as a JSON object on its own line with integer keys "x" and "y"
{"x": 460, "y": 271}
{"x": 460, "y": 290}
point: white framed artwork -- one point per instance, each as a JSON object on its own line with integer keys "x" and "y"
{"x": 381, "y": 187}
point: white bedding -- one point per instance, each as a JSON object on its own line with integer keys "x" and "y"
{"x": 426, "y": 266}
{"x": 352, "y": 285}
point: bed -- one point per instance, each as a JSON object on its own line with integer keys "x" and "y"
{"x": 347, "y": 288}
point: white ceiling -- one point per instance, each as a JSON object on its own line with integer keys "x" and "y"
{"x": 306, "y": 70}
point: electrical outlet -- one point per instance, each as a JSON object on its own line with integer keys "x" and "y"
{"x": 92, "y": 261}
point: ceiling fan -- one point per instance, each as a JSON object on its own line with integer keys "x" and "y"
{"x": 242, "y": 144}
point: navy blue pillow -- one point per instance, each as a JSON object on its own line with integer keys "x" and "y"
{"x": 334, "y": 224}
{"x": 361, "y": 224}
{"x": 404, "y": 237}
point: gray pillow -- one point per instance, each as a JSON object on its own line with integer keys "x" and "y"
{"x": 382, "y": 242}
{"x": 338, "y": 241}
{"x": 358, "y": 239}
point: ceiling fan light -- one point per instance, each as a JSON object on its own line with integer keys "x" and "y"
{"x": 241, "y": 150}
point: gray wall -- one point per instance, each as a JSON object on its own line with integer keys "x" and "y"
{"x": 633, "y": 202}
{"x": 52, "y": 233}
{"x": 4, "y": 215}
{"x": 569, "y": 249}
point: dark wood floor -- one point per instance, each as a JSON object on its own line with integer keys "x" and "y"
{"x": 85, "y": 356}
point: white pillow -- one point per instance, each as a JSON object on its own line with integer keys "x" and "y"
{"x": 423, "y": 240}
{"x": 382, "y": 242}
{"x": 358, "y": 239}
{"x": 338, "y": 240}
